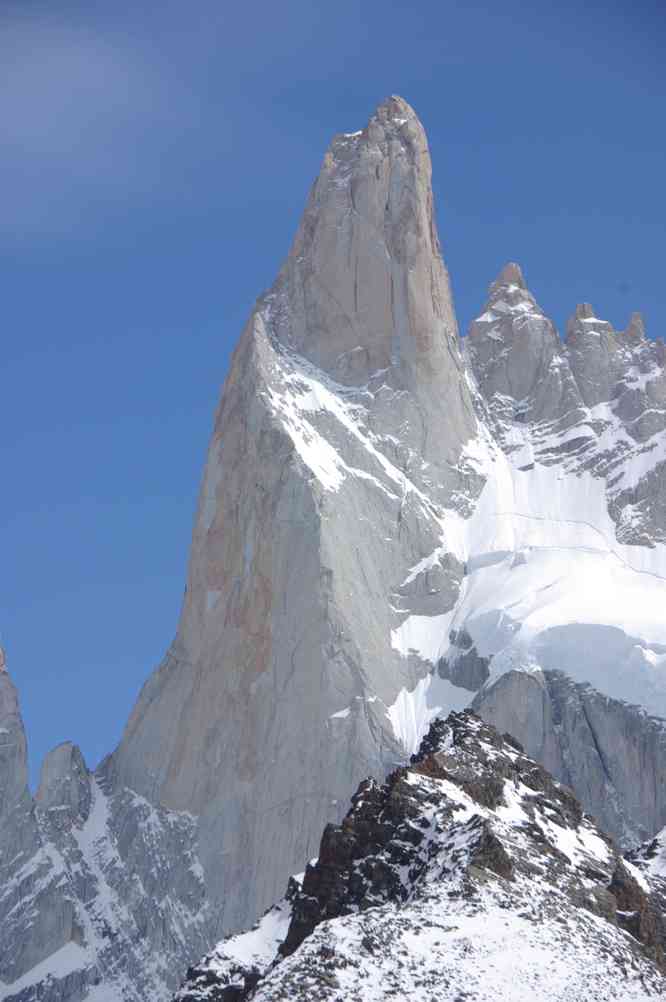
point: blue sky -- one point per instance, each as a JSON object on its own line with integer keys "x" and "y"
{"x": 156, "y": 158}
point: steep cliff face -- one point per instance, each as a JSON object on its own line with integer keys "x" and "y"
{"x": 391, "y": 521}
{"x": 611, "y": 752}
{"x": 335, "y": 445}
{"x": 470, "y": 873}
{"x": 19, "y": 841}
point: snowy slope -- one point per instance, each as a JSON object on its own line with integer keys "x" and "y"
{"x": 562, "y": 570}
{"x": 237, "y": 962}
{"x": 120, "y": 885}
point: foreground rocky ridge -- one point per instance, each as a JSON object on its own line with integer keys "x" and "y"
{"x": 470, "y": 871}
{"x": 392, "y": 522}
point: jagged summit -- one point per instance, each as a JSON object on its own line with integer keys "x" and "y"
{"x": 390, "y": 114}
{"x": 584, "y": 311}
{"x": 364, "y": 287}
{"x": 513, "y": 349}
{"x": 395, "y": 109}
{"x": 636, "y": 326}
{"x": 64, "y": 783}
{"x": 584, "y": 322}
{"x": 511, "y": 274}
{"x": 508, "y": 294}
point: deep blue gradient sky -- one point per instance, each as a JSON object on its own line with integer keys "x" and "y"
{"x": 155, "y": 160}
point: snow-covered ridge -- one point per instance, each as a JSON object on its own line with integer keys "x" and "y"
{"x": 328, "y": 421}
{"x": 564, "y": 552}
{"x": 236, "y": 961}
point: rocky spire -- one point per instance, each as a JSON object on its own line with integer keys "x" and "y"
{"x": 510, "y": 295}
{"x": 512, "y": 349}
{"x": 13, "y": 745}
{"x": 511, "y": 274}
{"x": 19, "y": 836}
{"x": 584, "y": 320}
{"x": 636, "y": 327}
{"x": 365, "y": 282}
{"x": 287, "y": 618}
{"x": 596, "y": 354}
{"x": 65, "y": 782}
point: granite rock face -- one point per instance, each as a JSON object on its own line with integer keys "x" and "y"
{"x": 517, "y": 357}
{"x": 610, "y": 752}
{"x": 341, "y": 423}
{"x": 392, "y": 520}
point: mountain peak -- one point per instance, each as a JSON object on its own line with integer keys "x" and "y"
{"x": 394, "y": 106}
{"x": 509, "y": 293}
{"x": 511, "y": 274}
{"x": 389, "y": 117}
{"x": 392, "y": 117}
{"x": 364, "y": 288}
{"x": 65, "y": 781}
{"x": 394, "y": 109}
{"x": 584, "y": 320}
{"x": 510, "y": 286}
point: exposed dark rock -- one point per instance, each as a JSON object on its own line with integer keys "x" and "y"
{"x": 468, "y": 670}
{"x": 637, "y": 913}
{"x": 489, "y": 854}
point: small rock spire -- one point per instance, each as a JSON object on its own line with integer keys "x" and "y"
{"x": 65, "y": 781}
{"x": 636, "y": 326}
{"x": 510, "y": 278}
{"x": 581, "y": 321}
{"x": 394, "y": 107}
{"x": 511, "y": 274}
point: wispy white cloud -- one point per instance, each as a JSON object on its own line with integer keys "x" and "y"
{"x": 91, "y": 121}
{"x": 164, "y": 106}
